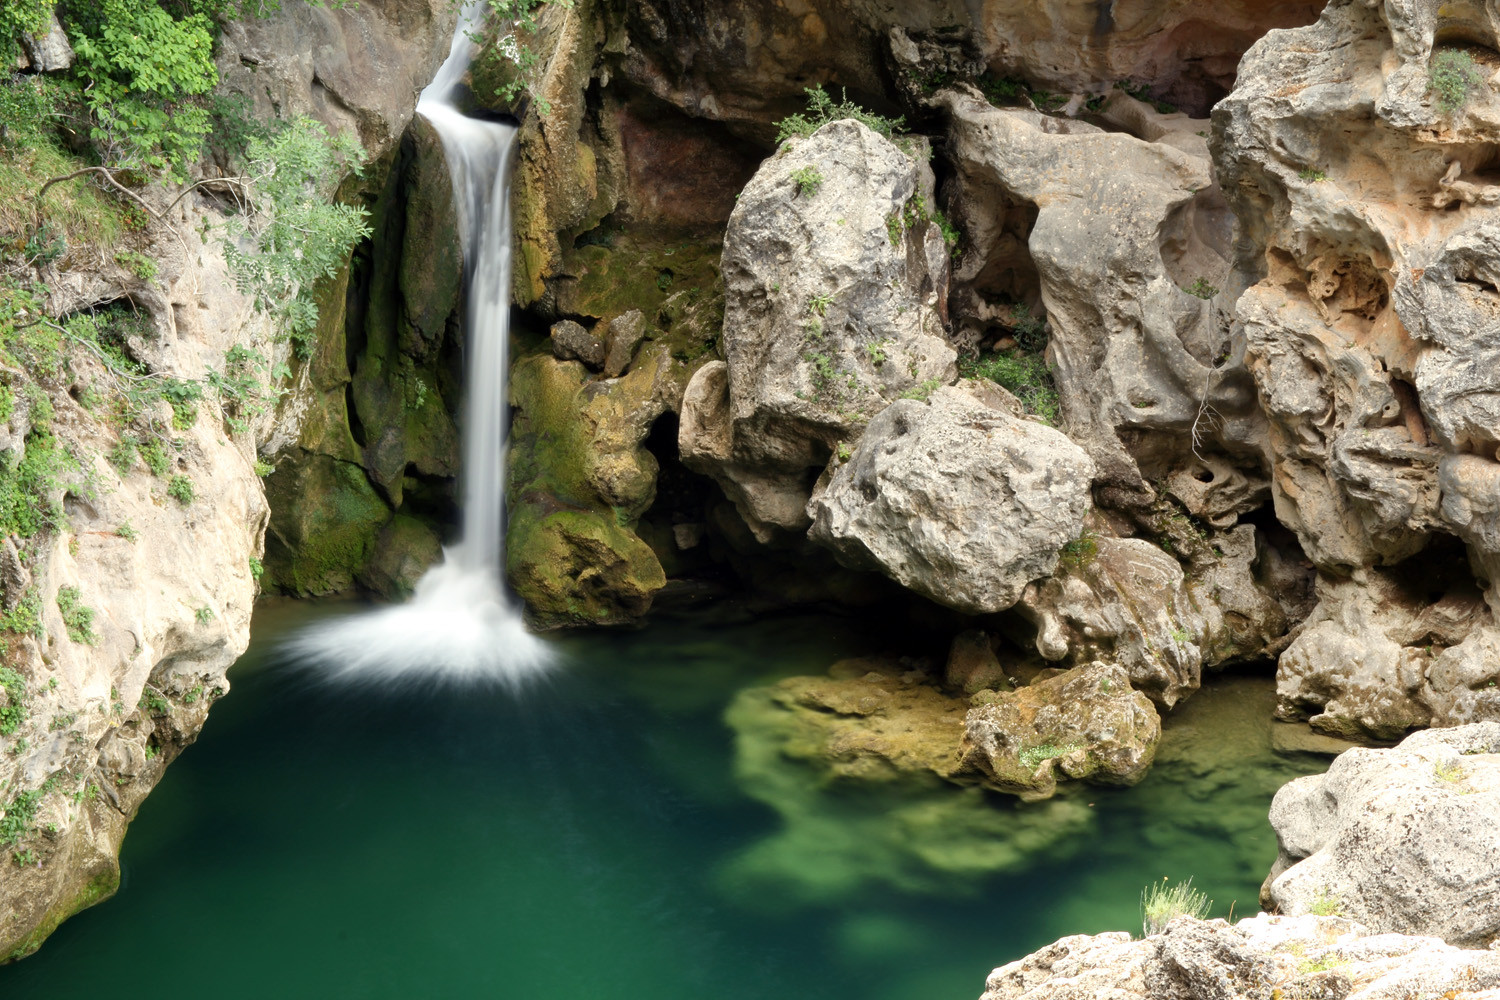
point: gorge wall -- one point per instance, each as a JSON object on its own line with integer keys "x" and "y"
{"x": 1112, "y": 391}
{"x": 128, "y": 587}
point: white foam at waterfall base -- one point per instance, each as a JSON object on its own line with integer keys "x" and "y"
{"x": 460, "y": 624}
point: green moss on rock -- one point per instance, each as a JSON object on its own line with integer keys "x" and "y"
{"x": 325, "y": 517}
{"x": 579, "y": 567}
{"x": 97, "y": 889}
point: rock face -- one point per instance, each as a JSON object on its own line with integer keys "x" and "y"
{"x": 130, "y": 607}
{"x": 1263, "y": 958}
{"x": 831, "y": 312}
{"x": 1086, "y": 723}
{"x": 1368, "y": 326}
{"x": 745, "y": 60}
{"x": 955, "y": 499}
{"x": 1128, "y": 601}
{"x": 1052, "y": 205}
{"x": 1402, "y": 840}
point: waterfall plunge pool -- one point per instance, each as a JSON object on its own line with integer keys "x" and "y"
{"x": 585, "y": 840}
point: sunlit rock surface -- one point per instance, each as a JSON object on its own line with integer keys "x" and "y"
{"x": 1265, "y": 957}
{"x": 832, "y": 311}
{"x": 956, "y": 499}
{"x": 170, "y": 582}
{"x": 1405, "y": 840}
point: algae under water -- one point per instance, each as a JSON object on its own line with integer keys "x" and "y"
{"x": 336, "y": 841}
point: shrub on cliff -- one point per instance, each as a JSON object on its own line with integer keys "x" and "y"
{"x": 1453, "y": 77}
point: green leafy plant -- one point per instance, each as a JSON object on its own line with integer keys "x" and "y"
{"x": 127, "y": 532}
{"x": 520, "y": 47}
{"x": 153, "y": 703}
{"x": 13, "y": 712}
{"x": 154, "y": 454}
{"x": 257, "y": 569}
{"x": 77, "y": 617}
{"x": 1453, "y": 77}
{"x": 822, "y": 109}
{"x": 808, "y": 179}
{"x": 204, "y": 615}
{"x": 1025, "y": 376}
{"x": 922, "y": 391}
{"x": 291, "y": 236}
{"x": 180, "y": 488}
{"x": 1161, "y": 902}
{"x": 136, "y": 263}
{"x": 1312, "y": 175}
{"x": 1202, "y": 289}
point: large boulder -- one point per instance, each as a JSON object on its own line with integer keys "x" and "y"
{"x": 834, "y": 282}
{"x": 1404, "y": 840}
{"x": 1085, "y": 723}
{"x": 956, "y": 499}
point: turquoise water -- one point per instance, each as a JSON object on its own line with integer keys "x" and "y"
{"x": 338, "y": 842}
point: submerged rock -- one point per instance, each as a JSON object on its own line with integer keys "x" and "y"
{"x": 856, "y": 764}
{"x": 1404, "y": 840}
{"x": 955, "y": 499}
{"x": 1085, "y": 723}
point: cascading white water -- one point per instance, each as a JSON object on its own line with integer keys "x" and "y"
{"x": 460, "y": 624}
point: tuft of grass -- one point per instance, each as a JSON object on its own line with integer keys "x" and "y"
{"x": 1326, "y": 904}
{"x": 204, "y": 615}
{"x": 1025, "y": 376}
{"x": 1453, "y": 77}
{"x": 1312, "y": 175}
{"x": 1161, "y": 902}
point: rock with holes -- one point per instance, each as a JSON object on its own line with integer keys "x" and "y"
{"x": 1404, "y": 840}
{"x": 834, "y": 281}
{"x": 1129, "y": 601}
{"x": 1369, "y": 322}
{"x": 1085, "y": 724}
{"x": 1115, "y": 238}
{"x": 955, "y": 499}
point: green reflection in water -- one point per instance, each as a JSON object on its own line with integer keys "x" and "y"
{"x": 582, "y": 843}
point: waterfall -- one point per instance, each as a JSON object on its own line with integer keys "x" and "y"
{"x": 460, "y": 624}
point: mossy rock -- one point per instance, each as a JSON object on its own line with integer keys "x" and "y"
{"x": 579, "y": 567}
{"x": 325, "y": 517}
{"x": 405, "y": 549}
{"x": 671, "y": 276}
{"x": 99, "y": 887}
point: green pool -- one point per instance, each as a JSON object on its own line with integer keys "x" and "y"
{"x": 573, "y": 844}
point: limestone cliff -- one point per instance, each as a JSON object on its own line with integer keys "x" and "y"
{"x": 127, "y": 594}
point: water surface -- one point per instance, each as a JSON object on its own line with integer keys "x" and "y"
{"x": 354, "y": 842}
